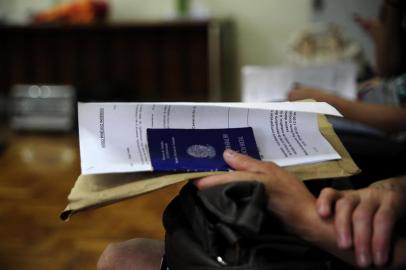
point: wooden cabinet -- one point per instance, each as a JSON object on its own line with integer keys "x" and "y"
{"x": 154, "y": 61}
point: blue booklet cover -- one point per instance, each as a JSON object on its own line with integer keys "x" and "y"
{"x": 198, "y": 149}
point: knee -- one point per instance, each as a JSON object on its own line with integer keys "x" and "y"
{"x": 132, "y": 254}
{"x": 108, "y": 258}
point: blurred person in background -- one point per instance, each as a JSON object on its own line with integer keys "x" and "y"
{"x": 363, "y": 214}
{"x": 388, "y": 34}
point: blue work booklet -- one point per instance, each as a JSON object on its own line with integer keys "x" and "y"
{"x": 198, "y": 149}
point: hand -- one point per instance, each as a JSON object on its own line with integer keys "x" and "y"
{"x": 374, "y": 27}
{"x": 370, "y": 84}
{"x": 300, "y": 93}
{"x": 382, "y": 34}
{"x": 363, "y": 219}
{"x": 288, "y": 197}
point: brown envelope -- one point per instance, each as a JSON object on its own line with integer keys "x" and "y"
{"x": 93, "y": 191}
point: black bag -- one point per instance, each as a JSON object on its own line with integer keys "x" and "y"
{"x": 229, "y": 227}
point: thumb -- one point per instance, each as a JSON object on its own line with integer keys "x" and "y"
{"x": 242, "y": 162}
{"x": 295, "y": 94}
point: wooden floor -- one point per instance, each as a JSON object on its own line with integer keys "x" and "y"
{"x": 36, "y": 174}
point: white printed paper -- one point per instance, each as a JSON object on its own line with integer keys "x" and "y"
{"x": 273, "y": 83}
{"x": 113, "y": 135}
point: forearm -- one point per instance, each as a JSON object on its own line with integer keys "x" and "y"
{"x": 389, "y": 119}
{"x": 393, "y": 184}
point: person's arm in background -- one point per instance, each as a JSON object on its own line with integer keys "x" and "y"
{"x": 386, "y": 34}
{"x": 295, "y": 206}
{"x": 387, "y": 118}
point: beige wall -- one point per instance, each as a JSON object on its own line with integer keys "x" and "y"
{"x": 19, "y": 11}
{"x": 262, "y": 26}
{"x": 130, "y": 10}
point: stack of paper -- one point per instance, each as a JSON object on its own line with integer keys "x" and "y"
{"x": 113, "y": 136}
{"x": 273, "y": 83}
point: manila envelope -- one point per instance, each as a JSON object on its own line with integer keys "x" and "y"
{"x": 93, "y": 191}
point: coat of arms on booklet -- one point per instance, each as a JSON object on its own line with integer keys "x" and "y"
{"x": 198, "y": 149}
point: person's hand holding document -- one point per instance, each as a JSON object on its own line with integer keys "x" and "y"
{"x": 116, "y": 137}
{"x": 128, "y": 149}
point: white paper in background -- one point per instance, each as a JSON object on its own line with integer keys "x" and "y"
{"x": 273, "y": 83}
{"x": 297, "y": 106}
{"x": 112, "y": 136}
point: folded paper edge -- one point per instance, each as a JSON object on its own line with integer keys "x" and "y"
{"x": 78, "y": 205}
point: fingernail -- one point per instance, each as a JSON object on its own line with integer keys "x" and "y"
{"x": 323, "y": 210}
{"x": 196, "y": 181}
{"x": 199, "y": 183}
{"x": 230, "y": 153}
{"x": 344, "y": 241}
{"x": 363, "y": 259}
{"x": 380, "y": 258}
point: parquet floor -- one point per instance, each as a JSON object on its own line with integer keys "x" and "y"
{"x": 36, "y": 174}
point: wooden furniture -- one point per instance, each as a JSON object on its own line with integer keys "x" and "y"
{"x": 178, "y": 60}
{"x": 37, "y": 173}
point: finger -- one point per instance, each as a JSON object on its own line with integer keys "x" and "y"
{"x": 296, "y": 85}
{"x": 295, "y": 94}
{"x": 325, "y": 201}
{"x": 363, "y": 22}
{"x": 242, "y": 162}
{"x": 362, "y": 231}
{"x": 229, "y": 177}
{"x": 343, "y": 220}
{"x": 384, "y": 222}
